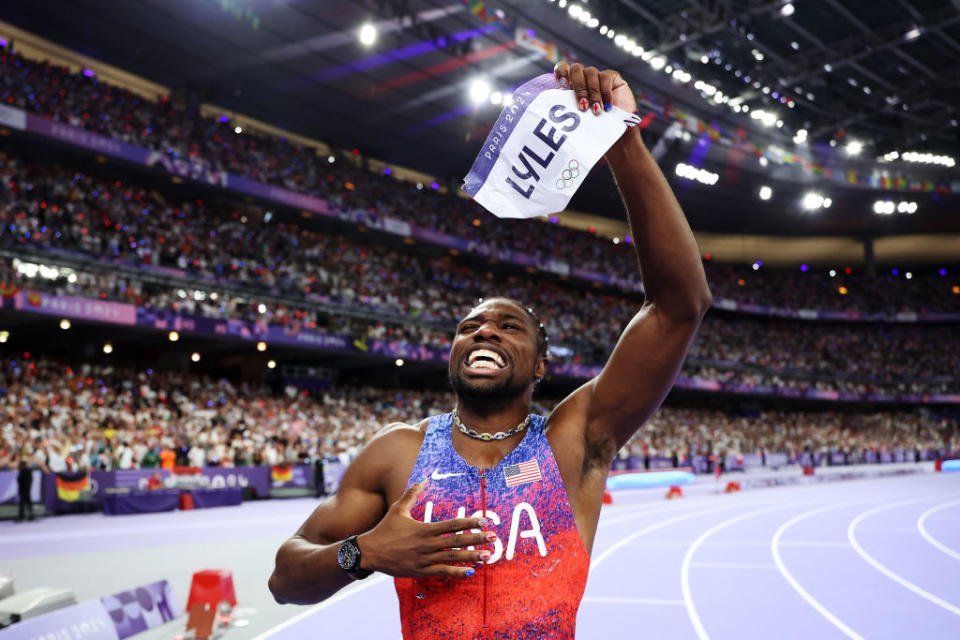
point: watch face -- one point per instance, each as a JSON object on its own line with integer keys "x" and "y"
{"x": 347, "y": 556}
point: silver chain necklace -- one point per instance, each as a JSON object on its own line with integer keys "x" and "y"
{"x": 486, "y": 437}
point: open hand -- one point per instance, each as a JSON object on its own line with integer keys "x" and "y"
{"x": 403, "y": 547}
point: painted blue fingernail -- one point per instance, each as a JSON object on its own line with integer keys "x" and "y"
{"x": 469, "y": 572}
{"x": 563, "y": 82}
{"x": 606, "y": 106}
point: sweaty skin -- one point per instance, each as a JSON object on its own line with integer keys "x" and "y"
{"x": 584, "y": 431}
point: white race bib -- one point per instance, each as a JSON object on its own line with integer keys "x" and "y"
{"x": 541, "y": 150}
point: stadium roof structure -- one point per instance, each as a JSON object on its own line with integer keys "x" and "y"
{"x": 880, "y": 73}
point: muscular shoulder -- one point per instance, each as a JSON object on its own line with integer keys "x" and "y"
{"x": 399, "y": 434}
{"x": 388, "y": 458}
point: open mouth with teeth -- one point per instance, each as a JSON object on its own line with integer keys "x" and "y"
{"x": 485, "y": 359}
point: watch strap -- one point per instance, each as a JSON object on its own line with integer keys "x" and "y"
{"x": 355, "y": 571}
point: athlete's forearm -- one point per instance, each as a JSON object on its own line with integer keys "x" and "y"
{"x": 673, "y": 276}
{"x": 306, "y": 573}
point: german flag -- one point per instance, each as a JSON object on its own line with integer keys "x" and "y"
{"x": 281, "y": 474}
{"x": 69, "y": 485}
{"x": 8, "y": 290}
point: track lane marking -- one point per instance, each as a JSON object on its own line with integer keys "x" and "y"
{"x": 653, "y": 527}
{"x": 688, "y": 558}
{"x": 852, "y": 536}
{"x": 775, "y": 545}
{"x": 922, "y": 527}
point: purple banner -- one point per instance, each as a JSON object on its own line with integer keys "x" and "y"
{"x": 9, "y": 491}
{"x": 87, "y": 620}
{"x": 78, "y": 308}
{"x": 86, "y": 139}
{"x": 435, "y": 237}
{"x": 278, "y": 194}
{"x": 141, "y": 608}
{"x": 258, "y": 478}
{"x": 290, "y": 336}
{"x": 824, "y": 314}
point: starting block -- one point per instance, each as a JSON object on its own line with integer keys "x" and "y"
{"x": 674, "y": 492}
{"x": 607, "y": 498}
{"x": 202, "y": 620}
{"x": 732, "y": 487}
{"x": 212, "y": 586}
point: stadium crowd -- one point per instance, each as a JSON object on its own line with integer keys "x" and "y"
{"x": 94, "y": 416}
{"x": 236, "y": 263}
{"x": 83, "y": 101}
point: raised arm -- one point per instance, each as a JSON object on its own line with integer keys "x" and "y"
{"x": 649, "y": 354}
{"x": 651, "y": 350}
{"x": 390, "y": 541}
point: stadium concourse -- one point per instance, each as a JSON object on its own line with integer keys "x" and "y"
{"x": 215, "y": 294}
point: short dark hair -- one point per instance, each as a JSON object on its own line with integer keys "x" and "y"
{"x": 542, "y": 338}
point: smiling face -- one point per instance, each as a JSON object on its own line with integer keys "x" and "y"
{"x": 494, "y": 353}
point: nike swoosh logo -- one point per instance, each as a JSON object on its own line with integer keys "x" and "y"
{"x": 443, "y": 476}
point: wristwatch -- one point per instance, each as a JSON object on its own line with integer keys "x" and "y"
{"x": 348, "y": 557}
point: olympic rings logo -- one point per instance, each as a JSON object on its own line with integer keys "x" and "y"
{"x": 568, "y": 175}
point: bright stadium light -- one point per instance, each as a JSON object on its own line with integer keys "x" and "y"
{"x": 787, "y": 10}
{"x": 108, "y": 348}
{"x": 195, "y": 356}
{"x": 272, "y": 364}
{"x": 261, "y": 346}
{"x": 64, "y": 324}
{"x": 765, "y": 192}
{"x": 368, "y": 34}
{"x": 854, "y": 147}
{"x": 479, "y": 90}
{"x": 884, "y": 207}
{"x": 496, "y": 97}
{"x": 173, "y": 336}
{"x": 812, "y": 200}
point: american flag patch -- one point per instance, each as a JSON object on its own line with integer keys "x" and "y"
{"x": 522, "y": 473}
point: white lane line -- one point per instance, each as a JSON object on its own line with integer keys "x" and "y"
{"x": 732, "y": 565}
{"x": 775, "y": 545}
{"x": 346, "y": 593}
{"x": 653, "y": 527}
{"x": 922, "y": 527}
{"x": 852, "y": 536}
{"x": 653, "y": 601}
{"x": 688, "y": 558}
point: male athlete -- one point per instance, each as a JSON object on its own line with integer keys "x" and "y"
{"x": 485, "y": 516}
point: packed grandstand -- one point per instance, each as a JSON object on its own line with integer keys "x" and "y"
{"x": 69, "y": 230}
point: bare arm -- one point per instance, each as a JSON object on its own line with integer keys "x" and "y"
{"x": 390, "y": 541}
{"x": 306, "y": 568}
{"x": 646, "y": 359}
{"x": 651, "y": 350}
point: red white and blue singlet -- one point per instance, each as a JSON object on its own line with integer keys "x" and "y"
{"x": 532, "y": 584}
